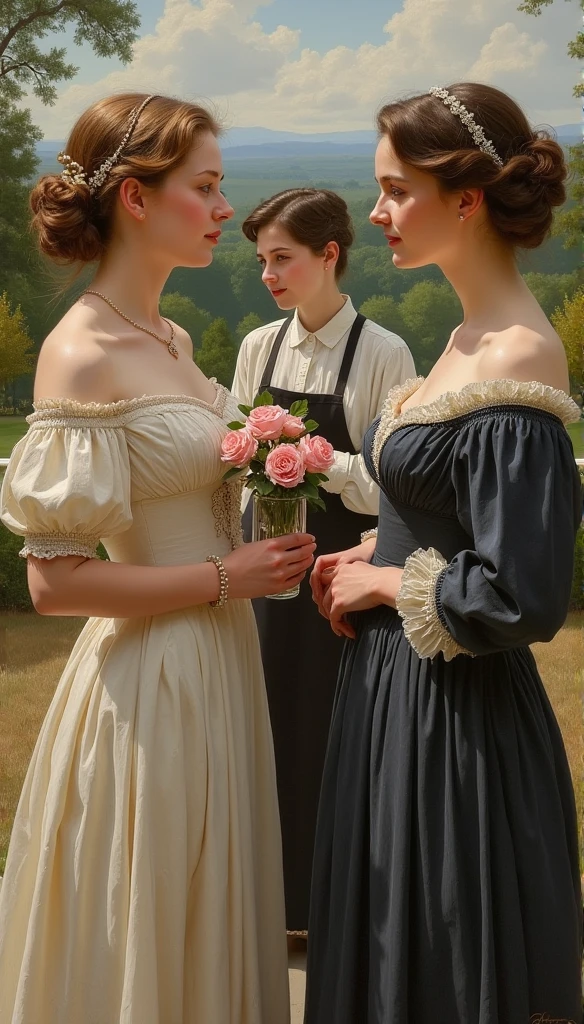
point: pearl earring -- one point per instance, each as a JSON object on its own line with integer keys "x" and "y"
{"x": 461, "y": 216}
{"x": 142, "y": 216}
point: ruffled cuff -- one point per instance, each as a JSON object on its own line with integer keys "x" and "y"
{"x": 58, "y": 545}
{"x": 416, "y": 604}
{"x": 368, "y": 534}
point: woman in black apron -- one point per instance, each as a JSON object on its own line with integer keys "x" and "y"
{"x": 306, "y": 234}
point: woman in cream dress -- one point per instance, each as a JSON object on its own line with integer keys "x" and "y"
{"x": 144, "y": 877}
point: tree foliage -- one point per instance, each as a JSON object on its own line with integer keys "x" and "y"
{"x": 218, "y": 353}
{"x": 550, "y": 290}
{"x": 183, "y": 311}
{"x": 569, "y": 222}
{"x": 569, "y": 323}
{"x": 246, "y": 325}
{"x": 109, "y": 26}
{"x": 18, "y": 163}
{"x": 431, "y": 311}
{"x": 16, "y": 355}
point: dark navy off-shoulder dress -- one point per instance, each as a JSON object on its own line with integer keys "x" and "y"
{"x": 446, "y": 887}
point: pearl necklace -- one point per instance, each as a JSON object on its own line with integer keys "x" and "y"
{"x": 169, "y": 342}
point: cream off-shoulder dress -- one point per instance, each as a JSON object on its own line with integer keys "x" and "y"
{"x": 144, "y": 876}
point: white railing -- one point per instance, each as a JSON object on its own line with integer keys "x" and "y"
{"x": 4, "y": 463}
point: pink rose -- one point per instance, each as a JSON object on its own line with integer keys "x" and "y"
{"x": 293, "y": 426}
{"x": 238, "y": 447}
{"x": 319, "y": 454}
{"x": 266, "y": 422}
{"x": 285, "y": 465}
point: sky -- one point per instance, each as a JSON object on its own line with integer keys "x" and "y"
{"x": 326, "y": 65}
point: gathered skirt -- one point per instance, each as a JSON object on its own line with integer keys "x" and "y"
{"x": 144, "y": 875}
{"x": 446, "y": 886}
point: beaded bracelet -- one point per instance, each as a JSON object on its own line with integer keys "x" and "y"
{"x": 368, "y": 534}
{"x": 223, "y": 582}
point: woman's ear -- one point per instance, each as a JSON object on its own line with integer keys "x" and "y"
{"x": 470, "y": 201}
{"x": 331, "y": 255}
{"x": 132, "y": 198}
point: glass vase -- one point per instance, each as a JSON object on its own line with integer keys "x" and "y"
{"x": 275, "y": 517}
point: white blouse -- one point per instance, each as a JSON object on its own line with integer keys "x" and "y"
{"x": 310, "y": 364}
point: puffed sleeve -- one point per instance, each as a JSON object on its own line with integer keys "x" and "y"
{"x": 66, "y": 487}
{"x": 518, "y": 498}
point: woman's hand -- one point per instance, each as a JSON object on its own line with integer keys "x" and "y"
{"x": 355, "y": 587}
{"x": 321, "y": 576}
{"x": 269, "y": 566}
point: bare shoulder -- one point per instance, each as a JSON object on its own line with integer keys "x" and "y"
{"x": 74, "y": 360}
{"x": 527, "y": 353}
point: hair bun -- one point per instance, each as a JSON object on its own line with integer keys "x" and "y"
{"x": 548, "y": 168}
{"x": 62, "y": 219}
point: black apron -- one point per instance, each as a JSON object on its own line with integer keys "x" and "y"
{"x": 300, "y": 652}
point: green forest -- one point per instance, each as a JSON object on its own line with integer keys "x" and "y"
{"x": 221, "y": 303}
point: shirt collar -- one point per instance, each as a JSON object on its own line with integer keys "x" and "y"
{"x": 331, "y": 333}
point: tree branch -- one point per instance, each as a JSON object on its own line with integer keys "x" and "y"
{"x": 49, "y": 12}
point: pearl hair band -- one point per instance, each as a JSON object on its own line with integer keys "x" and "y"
{"x": 76, "y": 175}
{"x": 475, "y": 130}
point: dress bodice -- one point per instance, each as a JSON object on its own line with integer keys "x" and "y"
{"x": 143, "y": 475}
{"x": 481, "y": 502}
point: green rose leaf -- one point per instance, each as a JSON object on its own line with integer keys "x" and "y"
{"x": 245, "y": 409}
{"x": 231, "y": 472}
{"x": 310, "y": 425}
{"x": 264, "y": 399}
{"x": 317, "y": 503}
{"x": 307, "y": 490}
{"x": 313, "y": 478}
{"x": 235, "y": 425}
{"x": 264, "y": 487}
{"x": 299, "y": 408}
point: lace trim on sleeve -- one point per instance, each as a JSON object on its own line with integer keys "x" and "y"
{"x": 416, "y": 605}
{"x": 56, "y": 545}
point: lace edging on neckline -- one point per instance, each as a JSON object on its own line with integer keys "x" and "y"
{"x": 479, "y": 395}
{"x": 67, "y": 411}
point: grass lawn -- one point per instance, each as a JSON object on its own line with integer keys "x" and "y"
{"x": 576, "y": 431}
{"x": 35, "y": 648}
{"x": 12, "y": 428}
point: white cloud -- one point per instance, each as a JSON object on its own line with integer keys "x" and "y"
{"x": 215, "y": 49}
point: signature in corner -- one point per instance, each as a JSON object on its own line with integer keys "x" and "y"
{"x": 544, "y": 1018}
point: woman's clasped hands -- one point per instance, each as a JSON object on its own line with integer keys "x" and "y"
{"x": 346, "y": 582}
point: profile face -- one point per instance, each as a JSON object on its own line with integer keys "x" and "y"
{"x": 419, "y": 221}
{"x": 291, "y": 272}
{"x": 185, "y": 215}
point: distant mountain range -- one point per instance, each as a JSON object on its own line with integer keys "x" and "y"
{"x": 263, "y": 142}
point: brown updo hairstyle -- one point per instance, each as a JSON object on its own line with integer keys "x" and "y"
{"x": 312, "y": 216}
{"x": 74, "y": 226}
{"x": 520, "y": 195}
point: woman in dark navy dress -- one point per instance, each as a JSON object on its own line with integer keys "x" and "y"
{"x": 446, "y": 886}
{"x": 343, "y": 365}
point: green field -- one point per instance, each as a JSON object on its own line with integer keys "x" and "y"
{"x": 576, "y": 431}
{"x": 12, "y": 428}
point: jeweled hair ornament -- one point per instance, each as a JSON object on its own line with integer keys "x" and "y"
{"x": 75, "y": 173}
{"x": 459, "y": 110}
